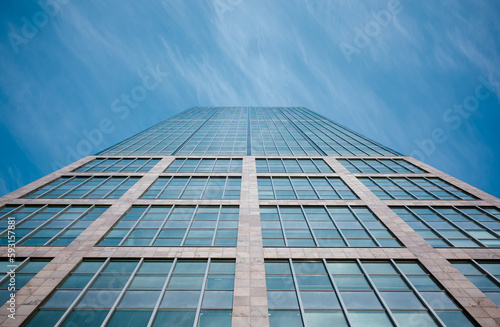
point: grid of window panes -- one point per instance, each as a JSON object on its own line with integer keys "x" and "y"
{"x": 175, "y": 226}
{"x": 325, "y": 226}
{"x": 409, "y": 188}
{"x": 382, "y": 166}
{"x": 166, "y": 137}
{"x": 118, "y": 165}
{"x": 357, "y": 293}
{"x": 205, "y": 165}
{"x": 25, "y": 270}
{"x": 485, "y": 275}
{"x": 248, "y": 131}
{"x": 454, "y": 226}
{"x": 273, "y": 134}
{"x": 303, "y": 188}
{"x": 193, "y": 187}
{"x": 330, "y": 137}
{"x": 292, "y": 166}
{"x": 137, "y": 292}
{"x": 84, "y": 187}
{"x": 47, "y": 225}
{"x": 224, "y": 133}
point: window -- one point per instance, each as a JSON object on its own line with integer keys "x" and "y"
{"x": 484, "y": 274}
{"x": 194, "y": 187}
{"x": 303, "y": 188}
{"x": 454, "y": 226}
{"x": 248, "y": 131}
{"x": 420, "y": 188}
{"x": 330, "y": 137}
{"x": 25, "y": 270}
{"x": 365, "y": 293}
{"x": 216, "y": 165}
{"x": 175, "y": 226}
{"x": 383, "y": 166}
{"x": 292, "y": 166}
{"x": 83, "y": 187}
{"x": 118, "y": 165}
{"x": 326, "y": 226}
{"x": 47, "y": 225}
{"x": 135, "y": 292}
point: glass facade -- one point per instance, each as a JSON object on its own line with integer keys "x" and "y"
{"x": 14, "y": 274}
{"x": 91, "y": 187}
{"x": 248, "y": 131}
{"x": 420, "y": 188}
{"x": 175, "y": 226}
{"x": 357, "y": 293}
{"x": 292, "y": 166}
{"x": 326, "y": 226}
{"x": 118, "y": 165}
{"x": 484, "y": 274}
{"x": 137, "y": 292}
{"x": 194, "y": 187}
{"x": 47, "y": 225}
{"x": 303, "y": 188}
{"x": 454, "y": 226}
{"x": 382, "y": 166}
{"x": 215, "y": 165}
{"x": 277, "y": 211}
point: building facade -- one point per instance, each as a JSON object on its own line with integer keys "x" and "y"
{"x": 249, "y": 216}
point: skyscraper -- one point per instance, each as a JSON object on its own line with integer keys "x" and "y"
{"x": 250, "y": 216}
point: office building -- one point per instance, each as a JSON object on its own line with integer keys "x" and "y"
{"x": 250, "y": 216}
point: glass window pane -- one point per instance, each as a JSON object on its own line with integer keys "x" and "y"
{"x": 180, "y": 299}
{"x": 282, "y": 300}
{"x": 360, "y": 300}
{"x": 325, "y": 319}
{"x": 215, "y": 318}
{"x": 148, "y": 281}
{"x": 279, "y": 318}
{"x": 139, "y": 299}
{"x": 319, "y": 300}
{"x": 98, "y": 299}
{"x": 351, "y": 282}
{"x": 129, "y": 318}
{"x": 217, "y": 299}
{"x": 45, "y": 318}
{"x": 401, "y": 300}
{"x": 414, "y": 318}
{"x": 279, "y": 282}
{"x": 185, "y": 282}
{"x": 389, "y": 283}
{"x": 174, "y": 318}
{"x": 439, "y": 301}
{"x": 85, "y": 318}
{"x": 454, "y": 318}
{"x": 370, "y": 318}
{"x": 62, "y": 299}
{"x": 423, "y": 283}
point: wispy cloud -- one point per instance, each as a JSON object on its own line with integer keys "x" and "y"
{"x": 266, "y": 53}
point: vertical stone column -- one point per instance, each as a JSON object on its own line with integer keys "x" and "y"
{"x": 250, "y": 298}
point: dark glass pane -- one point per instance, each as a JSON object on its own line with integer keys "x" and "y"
{"x": 130, "y": 318}
{"x": 174, "y": 318}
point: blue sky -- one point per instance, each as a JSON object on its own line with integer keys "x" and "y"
{"x": 420, "y": 77}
